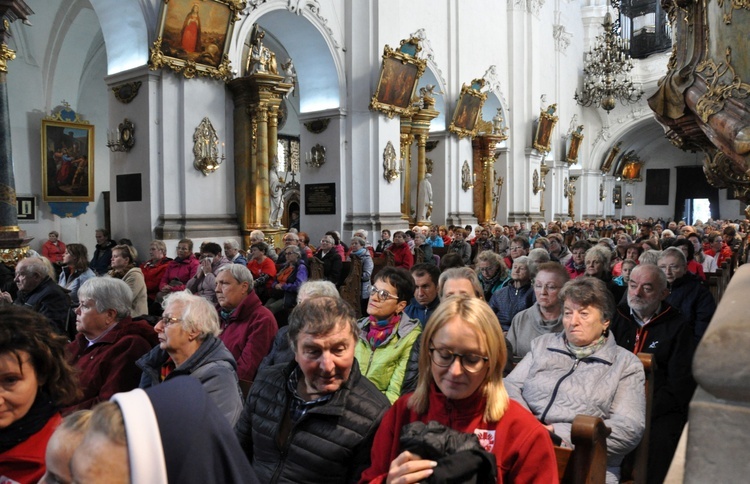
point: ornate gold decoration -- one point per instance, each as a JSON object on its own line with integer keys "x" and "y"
{"x": 8, "y": 195}
{"x": 468, "y": 113}
{"x": 535, "y": 182}
{"x": 732, "y": 5}
{"x": 574, "y": 144}
{"x": 399, "y": 76}
{"x": 720, "y": 86}
{"x": 390, "y": 166}
{"x": 723, "y": 172}
{"x": 125, "y": 93}
{"x": 123, "y": 138}
{"x": 546, "y": 124}
{"x": 610, "y": 158}
{"x": 316, "y": 157}
{"x": 6, "y": 54}
{"x": 497, "y": 190}
{"x": 206, "y": 148}
{"x": 11, "y": 256}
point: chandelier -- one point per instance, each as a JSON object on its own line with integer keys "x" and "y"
{"x": 606, "y": 71}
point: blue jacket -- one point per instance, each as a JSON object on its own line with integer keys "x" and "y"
{"x": 420, "y": 312}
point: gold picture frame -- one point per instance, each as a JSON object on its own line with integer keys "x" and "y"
{"x": 468, "y": 111}
{"x": 193, "y": 37}
{"x": 399, "y": 76}
{"x": 544, "y": 127}
{"x": 609, "y": 159}
{"x": 67, "y": 161}
{"x": 574, "y": 145}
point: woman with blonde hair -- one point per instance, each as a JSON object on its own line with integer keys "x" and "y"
{"x": 460, "y": 386}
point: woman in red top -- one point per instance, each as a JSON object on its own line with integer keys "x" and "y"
{"x": 461, "y": 360}
{"x": 718, "y": 249}
{"x": 401, "y": 253}
{"x": 154, "y": 269}
{"x": 179, "y": 271}
{"x": 54, "y": 249}
{"x": 35, "y": 380}
{"x": 263, "y": 269}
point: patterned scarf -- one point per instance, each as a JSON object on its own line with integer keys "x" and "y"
{"x": 379, "y": 331}
{"x": 581, "y": 352}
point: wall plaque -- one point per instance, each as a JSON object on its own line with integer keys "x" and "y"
{"x": 320, "y": 199}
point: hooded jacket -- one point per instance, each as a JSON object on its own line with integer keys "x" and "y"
{"x": 108, "y": 366}
{"x": 212, "y": 364}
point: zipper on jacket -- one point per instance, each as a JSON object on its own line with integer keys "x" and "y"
{"x": 554, "y": 392}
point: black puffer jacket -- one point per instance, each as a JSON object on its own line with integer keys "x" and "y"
{"x": 694, "y": 301}
{"x": 330, "y": 443}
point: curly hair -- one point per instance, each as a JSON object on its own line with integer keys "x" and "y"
{"x": 25, "y": 330}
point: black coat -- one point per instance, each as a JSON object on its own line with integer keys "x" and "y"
{"x": 48, "y": 299}
{"x": 694, "y": 301}
{"x": 330, "y": 443}
{"x": 332, "y": 265}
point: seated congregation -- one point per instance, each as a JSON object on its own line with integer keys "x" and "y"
{"x": 440, "y": 354}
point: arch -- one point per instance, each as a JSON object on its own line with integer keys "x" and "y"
{"x": 320, "y": 69}
{"x": 125, "y": 25}
{"x": 635, "y": 133}
{"x": 440, "y": 123}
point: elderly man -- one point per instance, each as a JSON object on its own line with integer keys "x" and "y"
{"x": 290, "y": 239}
{"x": 189, "y": 345}
{"x": 203, "y": 282}
{"x": 322, "y": 395}
{"x": 332, "y": 263}
{"x": 545, "y": 315}
{"x": 258, "y": 236}
{"x": 686, "y": 293}
{"x": 37, "y": 291}
{"x": 247, "y": 327}
{"x": 108, "y": 342}
{"x": 647, "y": 323}
{"x": 232, "y": 252}
{"x": 425, "y": 300}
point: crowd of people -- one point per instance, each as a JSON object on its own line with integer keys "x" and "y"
{"x": 477, "y": 348}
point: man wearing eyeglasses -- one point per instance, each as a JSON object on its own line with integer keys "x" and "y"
{"x": 290, "y": 239}
{"x": 545, "y": 315}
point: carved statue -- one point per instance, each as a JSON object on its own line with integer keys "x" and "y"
{"x": 497, "y": 122}
{"x": 261, "y": 59}
{"x": 572, "y": 126}
{"x": 276, "y": 189}
{"x": 290, "y": 75}
{"x": 424, "y": 203}
{"x": 426, "y": 51}
{"x": 543, "y": 103}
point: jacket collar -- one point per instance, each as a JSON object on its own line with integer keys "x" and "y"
{"x": 244, "y": 310}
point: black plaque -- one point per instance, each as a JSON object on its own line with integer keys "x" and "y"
{"x": 657, "y": 187}
{"x": 320, "y": 199}
{"x": 129, "y": 188}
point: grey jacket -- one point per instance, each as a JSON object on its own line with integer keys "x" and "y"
{"x": 212, "y": 364}
{"x": 527, "y": 325}
{"x": 556, "y": 387}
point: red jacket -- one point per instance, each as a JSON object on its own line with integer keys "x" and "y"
{"x": 402, "y": 255}
{"x": 25, "y": 461}
{"x": 248, "y": 333}
{"x": 521, "y": 445}
{"x": 153, "y": 273}
{"x": 265, "y": 267}
{"x": 184, "y": 270}
{"x": 53, "y": 252}
{"x": 108, "y": 366}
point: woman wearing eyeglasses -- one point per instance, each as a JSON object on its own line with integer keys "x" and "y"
{"x": 461, "y": 386}
{"x": 189, "y": 345}
{"x": 582, "y": 371}
{"x": 387, "y": 335}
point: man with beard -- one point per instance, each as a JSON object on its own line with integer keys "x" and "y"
{"x": 648, "y": 324}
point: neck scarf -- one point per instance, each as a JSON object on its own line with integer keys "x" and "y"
{"x": 488, "y": 283}
{"x": 37, "y": 417}
{"x": 581, "y": 352}
{"x": 360, "y": 252}
{"x": 379, "y": 331}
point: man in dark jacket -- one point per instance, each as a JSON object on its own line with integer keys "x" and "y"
{"x": 686, "y": 293}
{"x": 332, "y": 408}
{"x": 425, "y": 299}
{"x": 332, "y": 263}
{"x": 103, "y": 253}
{"x": 648, "y": 324}
{"x": 37, "y": 291}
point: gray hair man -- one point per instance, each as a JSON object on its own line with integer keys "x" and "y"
{"x": 333, "y": 409}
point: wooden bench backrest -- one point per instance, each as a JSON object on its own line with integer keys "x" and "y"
{"x": 635, "y": 465}
{"x": 418, "y": 255}
{"x": 587, "y": 464}
{"x": 351, "y": 289}
{"x": 317, "y": 271}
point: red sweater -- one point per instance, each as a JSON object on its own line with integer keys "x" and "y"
{"x": 53, "y": 252}
{"x": 521, "y": 445}
{"x": 153, "y": 273}
{"x": 265, "y": 267}
{"x": 25, "y": 461}
{"x": 402, "y": 255}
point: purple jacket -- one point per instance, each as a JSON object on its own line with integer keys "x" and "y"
{"x": 248, "y": 333}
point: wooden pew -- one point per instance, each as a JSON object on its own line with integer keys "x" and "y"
{"x": 713, "y": 279}
{"x": 317, "y": 271}
{"x": 635, "y": 465}
{"x": 351, "y": 289}
{"x": 587, "y": 464}
{"x": 418, "y": 256}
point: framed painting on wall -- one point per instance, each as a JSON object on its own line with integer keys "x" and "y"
{"x": 468, "y": 109}
{"x": 193, "y": 37}
{"x": 67, "y": 161}
{"x": 399, "y": 76}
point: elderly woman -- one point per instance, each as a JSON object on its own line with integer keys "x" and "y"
{"x": 153, "y": 269}
{"x": 460, "y": 386}
{"x": 387, "y": 335}
{"x": 402, "y": 256}
{"x": 203, "y": 283}
{"x": 492, "y": 272}
{"x": 54, "y": 248}
{"x": 632, "y": 252}
{"x": 262, "y": 268}
{"x": 75, "y": 271}
{"x": 576, "y": 265}
{"x": 460, "y": 246}
{"x": 583, "y": 371}
{"x": 179, "y": 270}
{"x": 420, "y": 240}
{"x": 287, "y": 282}
{"x": 597, "y": 263}
{"x": 359, "y": 249}
{"x": 459, "y": 281}
{"x": 108, "y": 341}
{"x": 189, "y": 344}
{"x": 123, "y": 267}
{"x": 35, "y": 381}
{"x": 516, "y": 296}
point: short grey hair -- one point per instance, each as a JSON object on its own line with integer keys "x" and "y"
{"x": 328, "y": 238}
{"x": 661, "y": 278}
{"x": 239, "y": 272}
{"x": 293, "y": 248}
{"x": 361, "y": 231}
{"x": 537, "y": 256}
{"x": 232, "y": 243}
{"x": 257, "y": 234}
{"x": 461, "y": 273}
{"x": 320, "y": 316}
{"x": 649, "y": 257}
{"x": 36, "y": 266}
{"x": 311, "y": 289}
{"x": 197, "y": 313}
{"x": 674, "y": 252}
{"x": 601, "y": 253}
{"x": 108, "y": 293}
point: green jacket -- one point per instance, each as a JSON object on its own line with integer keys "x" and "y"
{"x": 385, "y": 366}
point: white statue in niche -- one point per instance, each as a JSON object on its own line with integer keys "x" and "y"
{"x": 290, "y": 76}
{"x": 425, "y": 199}
{"x": 276, "y": 189}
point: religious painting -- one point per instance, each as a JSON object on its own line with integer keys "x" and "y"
{"x": 67, "y": 161}
{"x": 468, "y": 109}
{"x": 610, "y": 157}
{"x": 574, "y": 145}
{"x": 399, "y": 76}
{"x": 193, "y": 37}
{"x": 545, "y": 125}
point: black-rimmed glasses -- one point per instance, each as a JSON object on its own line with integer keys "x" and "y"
{"x": 469, "y": 362}
{"x": 381, "y": 294}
